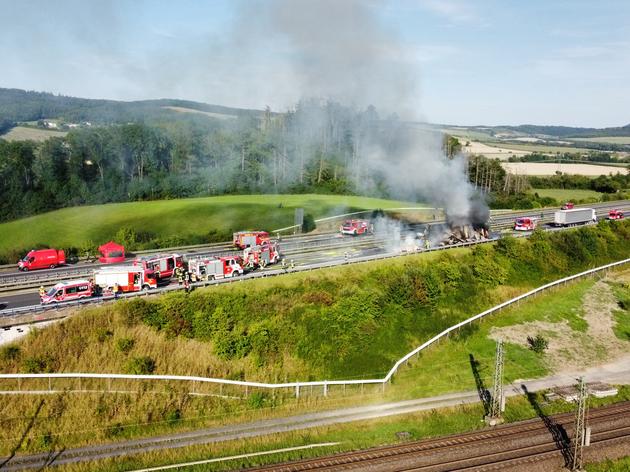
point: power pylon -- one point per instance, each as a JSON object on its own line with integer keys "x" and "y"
{"x": 498, "y": 401}
{"x": 582, "y": 431}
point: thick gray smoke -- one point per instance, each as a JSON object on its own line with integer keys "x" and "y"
{"x": 339, "y": 50}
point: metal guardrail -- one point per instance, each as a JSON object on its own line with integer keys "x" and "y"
{"x": 325, "y": 384}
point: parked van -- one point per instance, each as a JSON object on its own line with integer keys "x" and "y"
{"x": 66, "y": 291}
{"x": 42, "y": 259}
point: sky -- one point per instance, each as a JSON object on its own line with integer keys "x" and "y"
{"x": 444, "y": 61}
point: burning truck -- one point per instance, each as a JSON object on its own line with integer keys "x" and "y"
{"x": 472, "y": 228}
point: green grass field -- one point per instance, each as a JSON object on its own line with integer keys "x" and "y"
{"x": 567, "y": 194}
{"x": 21, "y": 133}
{"x": 173, "y": 218}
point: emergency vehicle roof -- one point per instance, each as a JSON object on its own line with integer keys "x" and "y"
{"x": 109, "y": 247}
{"x": 72, "y": 282}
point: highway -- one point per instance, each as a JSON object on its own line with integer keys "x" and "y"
{"x": 18, "y": 289}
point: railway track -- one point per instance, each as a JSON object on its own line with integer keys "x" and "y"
{"x": 488, "y": 449}
{"x": 502, "y": 448}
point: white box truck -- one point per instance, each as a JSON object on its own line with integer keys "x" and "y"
{"x": 576, "y": 216}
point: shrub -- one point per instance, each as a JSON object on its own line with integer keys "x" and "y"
{"x": 308, "y": 224}
{"x": 39, "y": 364}
{"x": 173, "y": 415}
{"x": 257, "y": 400}
{"x": 103, "y": 334}
{"x": 538, "y": 344}
{"x": 125, "y": 345}
{"x": 231, "y": 345}
{"x": 140, "y": 366}
{"x": 9, "y": 353}
{"x": 139, "y": 310}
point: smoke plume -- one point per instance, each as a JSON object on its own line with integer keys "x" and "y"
{"x": 340, "y": 51}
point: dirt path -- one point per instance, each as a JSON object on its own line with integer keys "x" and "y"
{"x": 571, "y": 350}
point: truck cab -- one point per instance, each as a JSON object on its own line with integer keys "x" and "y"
{"x": 615, "y": 215}
{"x": 525, "y": 224}
{"x": 244, "y": 239}
{"x": 567, "y": 206}
{"x": 162, "y": 265}
{"x": 355, "y": 227}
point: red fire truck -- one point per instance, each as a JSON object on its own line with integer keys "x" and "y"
{"x": 525, "y": 224}
{"x": 615, "y": 215}
{"x": 261, "y": 255}
{"x": 128, "y": 278}
{"x": 356, "y": 227}
{"x": 243, "y": 239}
{"x": 42, "y": 259}
{"x": 66, "y": 291}
{"x": 163, "y": 265}
{"x": 214, "y": 268}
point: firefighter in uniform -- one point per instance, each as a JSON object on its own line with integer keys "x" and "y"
{"x": 187, "y": 282}
{"x": 346, "y": 256}
{"x": 42, "y": 292}
{"x": 291, "y": 264}
{"x": 283, "y": 265}
{"x": 180, "y": 275}
{"x": 115, "y": 289}
{"x": 427, "y": 244}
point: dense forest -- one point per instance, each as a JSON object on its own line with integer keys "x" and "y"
{"x": 142, "y": 151}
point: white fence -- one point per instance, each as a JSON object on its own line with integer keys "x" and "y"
{"x": 296, "y": 387}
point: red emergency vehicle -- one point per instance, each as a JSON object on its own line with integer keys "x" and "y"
{"x": 66, "y": 291}
{"x": 525, "y": 224}
{"x": 615, "y": 215}
{"x": 42, "y": 259}
{"x": 261, "y": 255}
{"x": 567, "y": 206}
{"x": 128, "y": 279}
{"x": 163, "y": 265}
{"x": 214, "y": 268}
{"x": 243, "y": 239}
{"x": 356, "y": 227}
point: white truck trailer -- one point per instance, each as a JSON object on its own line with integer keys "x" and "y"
{"x": 575, "y": 216}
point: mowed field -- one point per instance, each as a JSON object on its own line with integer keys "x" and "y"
{"x": 606, "y": 139}
{"x": 562, "y": 194}
{"x": 207, "y": 113}
{"x": 542, "y": 168}
{"x": 493, "y": 152}
{"x": 171, "y": 218}
{"x": 21, "y": 133}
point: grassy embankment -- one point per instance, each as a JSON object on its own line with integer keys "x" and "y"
{"x": 173, "y": 222}
{"x": 350, "y": 323}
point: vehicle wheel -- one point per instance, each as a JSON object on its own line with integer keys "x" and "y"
{"x": 25, "y": 269}
{"x": 145, "y": 288}
{"x": 52, "y": 266}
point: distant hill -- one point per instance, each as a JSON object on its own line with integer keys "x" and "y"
{"x": 567, "y": 131}
{"x": 21, "y": 105}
